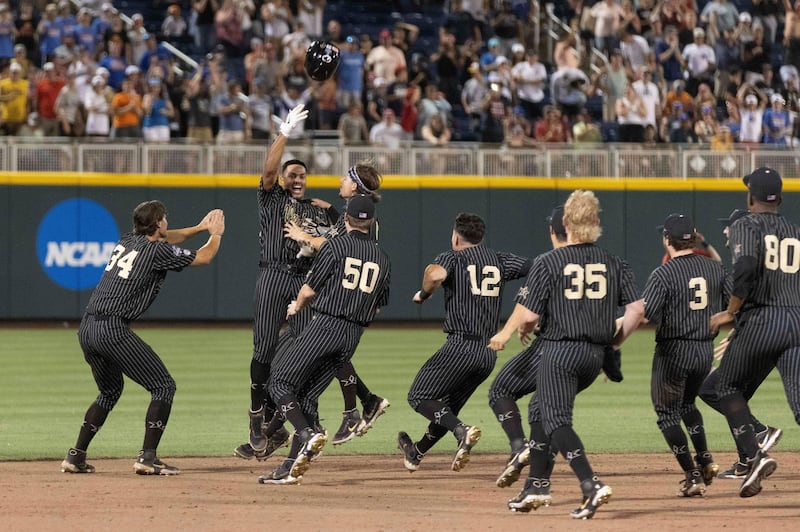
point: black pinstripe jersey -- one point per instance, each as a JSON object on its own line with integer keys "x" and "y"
{"x": 339, "y": 228}
{"x": 774, "y": 242}
{"x": 579, "y": 288}
{"x": 682, "y": 294}
{"x": 277, "y": 207}
{"x": 134, "y": 275}
{"x": 473, "y": 288}
{"x": 351, "y": 277}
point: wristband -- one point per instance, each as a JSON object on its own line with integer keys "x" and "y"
{"x": 423, "y": 295}
{"x": 704, "y": 244}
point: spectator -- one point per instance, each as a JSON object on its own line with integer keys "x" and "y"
{"x": 289, "y": 99}
{"x": 397, "y": 90}
{"x": 650, "y": 95}
{"x": 334, "y": 33}
{"x": 565, "y": 55}
{"x": 233, "y": 113}
{"x": 324, "y": 94}
{"x": 97, "y": 109}
{"x": 517, "y": 131}
{"x": 137, "y": 39}
{"x": 260, "y": 106}
{"x": 409, "y": 114}
{"x": 668, "y": 55}
{"x": 553, "y": 127}
{"x": 678, "y": 94}
{"x": 435, "y": 131}
{"x": 296, "y": 75}
{"x": 494, "y": 109}
{"x": 271, "y": 26}
{"x": 352, "y": 127}
{"x": 567, "y": 87}
{"x": 670, "y": 127}
{"x": 310, "y": 13}
{"x": 68, "y": 108}
{"x": 704, "y": 98}
{"x": 530, "y": 77}
{"x": 719, "y": 16}
{"x": 743, "y": 32}
{"x": 376, "y": 101}
{"x": 751, "y": 116}
{"x": 269, "y": 70}
{"x": 506, "y": 26}
{"x": 387, "y": 133}
{"x": 729, "y": 62}
{"x": 472, "y": 95}
{"x": 126, "y": 112}
{"x": 351, "y": 73}
{"x": 296, "y": 43}
{"x": 766, "y": 14}
{"x": 517, "y": 54}
{"x": 118, "y": 32}
{"x": 85, "y": 35}
{"x": 173, "y": 26}
{"x": 433, "y": 103}
{"x": 448, "y": 68}
{"x": 607, "y": 15}
{"x": 635, "y": 49}
{"x": 756, "y": 54}
{"x": 7, "y": 33}
{"x": 13, "y": 100}
{"x": 385, "y": 58}
{"x": 777, "y": 123}
{"x": 253, "y": 59}
{"x": 205, "y": 36}
{"x": 155, "y": 54}
{"x": 488, "y": 59}
{"x": 49, "y": 32}
{"x": 115, "y": 63}
{"x": 631, "y": 116}
{"x": 133, "y": 73}
{"x": 196, "y": 104}
{"x": 612, "y": 80}
{"x": 461, "y": 24}
{"x": 31, "y": 128}
{"x": 228, "y": 27}
{"x": 47, "y": 91}
{"x": 67, "y": 51}
{"x": 706, "y": 126}
{"x": 585, "y": 131}
{"x": 21, "y": 58}
{"x": 700, "y": 61}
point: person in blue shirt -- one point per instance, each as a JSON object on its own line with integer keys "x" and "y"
{"x": 351, "y": 68}
{"x": 777, "y": 122}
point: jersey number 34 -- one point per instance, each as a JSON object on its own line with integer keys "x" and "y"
{"x": 124, "y": 262}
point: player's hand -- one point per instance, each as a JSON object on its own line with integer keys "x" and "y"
{"x": 418, "y": 299}
{"x": 719, "y": 319}
{"x": 294, "y": 117}
{"x": 291, "y": 310}
{"x": 719, "y": 351}
{"x": 215, "y": 222}
{"x": 322, "y": 204}
{"x": 294, "y": 231}
{"x": 498, "y": 342}
{"x": 306, "y": 249}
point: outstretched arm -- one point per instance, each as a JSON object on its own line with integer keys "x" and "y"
{"x": 216, "y": 228}
{"x": 521, "y": 319}
{"x": 272, "y": 162}
{"x": 432, "y": 279}
{"x": 177, "y": 236}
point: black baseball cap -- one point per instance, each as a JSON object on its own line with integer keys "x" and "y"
{"x": 678, "y": 227}
{"x": 361, "y": 207}
{"x": 765, "y": 184}
{"x": 734, "y": 215}
{"x": 556, "y": 221}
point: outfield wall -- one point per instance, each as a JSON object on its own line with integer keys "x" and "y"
{"x": 51, "y": 256}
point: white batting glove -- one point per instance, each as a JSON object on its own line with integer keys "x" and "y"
{"x": 294, "y": 117}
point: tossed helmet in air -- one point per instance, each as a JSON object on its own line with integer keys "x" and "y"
{"x": 322, "y": 60}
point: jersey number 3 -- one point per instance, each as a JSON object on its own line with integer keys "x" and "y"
{"x": 123, "y": 262}
{"x": 361, "y": 275}
{"x": 587, "y": 281}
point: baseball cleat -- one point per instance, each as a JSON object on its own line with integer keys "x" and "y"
{"x": 411, "y": 456}
{"x": 312, "y": 446}
{"x": 693, "y": 485}
{"x": 769, "y": 437}
{"x": 75, "y": 462}
{"x": 467, "y": 436}
{"x": 762, "y": 466}
{"x": 373, "y": 409}
{"x": 596, "y": 496}
{"x": 281, "y": 475}
{"x": 148, "y": 464}
{"x": 534, "y": 495}
{"x": 514, "y": 466}
{"x": 351, "y": 420}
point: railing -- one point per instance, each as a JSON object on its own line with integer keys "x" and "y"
{"x": 326, "y": 157}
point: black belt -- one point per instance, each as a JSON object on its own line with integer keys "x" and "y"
{"x": 282, "y": 267}
{"x": 360, "y": 324}
{"x": 107, "y": 317}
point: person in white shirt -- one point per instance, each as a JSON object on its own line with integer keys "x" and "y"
{"x": 635, "y": 49}
{"x": 387, "y": 133}
{"x": 530, "y": 77}
{"x": 650, "y": 95}
{"x": 607, "y": 16}
{"x": 751, "y": 114}
{"x": 97, "y": 108}
{"x": 701, "y": 61}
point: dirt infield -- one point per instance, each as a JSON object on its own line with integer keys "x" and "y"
{"x": 376, "y": 493}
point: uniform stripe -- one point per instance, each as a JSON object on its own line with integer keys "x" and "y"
{"x": 679, "y": 369}
{"x": 517, "y": 377}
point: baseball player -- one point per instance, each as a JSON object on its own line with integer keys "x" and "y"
{"x": 767, "y": 436}
{"x": 679, "y": 298}
{"x": 348, "y": 283}
{"x": 473, "y": 277}
{"x": 764, "y": 303}
{"x": 364, "y": 179}
{"x": 131, "y": 282}
{"x": 282, "y": 267}
{"x": 518, "y": 378}
{"x": 578, "y": 288}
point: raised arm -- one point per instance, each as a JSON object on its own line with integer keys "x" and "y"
{"x": 215, "y": 224}
{"x": 272, "y": 162}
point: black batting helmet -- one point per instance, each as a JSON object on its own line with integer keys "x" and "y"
{"x": 322, "y": 60}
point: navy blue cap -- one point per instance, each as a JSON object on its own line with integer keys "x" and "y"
{"x": 735, "y": 215}
{"x": 361, "y": 207}
{"x": 765, "y": 184}
{"x": 678, "y": 227}
{"x": 556, "y": 221}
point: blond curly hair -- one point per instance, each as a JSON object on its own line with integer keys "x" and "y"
{"x": 582, "y": 217}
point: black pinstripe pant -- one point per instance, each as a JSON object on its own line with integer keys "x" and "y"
{"x": 766, "y": 337}
{"x": 517, "y": 377}
{"x": 112, "y": 350}
{"x": 275, "y": 289}
{"x": 310, "y": 364}
{"x": 679, "y": 369}
{"x": 453, "y": 373}
{"x": 565, "y": 369}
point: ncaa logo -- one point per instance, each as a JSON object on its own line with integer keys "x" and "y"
{"x": 74, "y": 242}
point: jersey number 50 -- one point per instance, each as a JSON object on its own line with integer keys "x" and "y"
{"x": 363, "y": 276}
{"x": 587, "y": 281}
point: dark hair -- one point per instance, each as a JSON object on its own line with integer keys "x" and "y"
{"x": 357, "y": 223}
{"x": 371, "y": 178}
{"x": 470, "y": 226}
{"x": 680, "y": 245}
{"x": 146, "y": 216}
{"x": 290, "y": 162}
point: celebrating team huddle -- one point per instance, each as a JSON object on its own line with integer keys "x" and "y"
{"x": 323, "y": 277}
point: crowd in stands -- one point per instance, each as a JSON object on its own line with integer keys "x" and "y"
{"x": 715, "y": 72}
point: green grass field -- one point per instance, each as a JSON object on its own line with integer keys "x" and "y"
{"x": 45, "y": 388}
